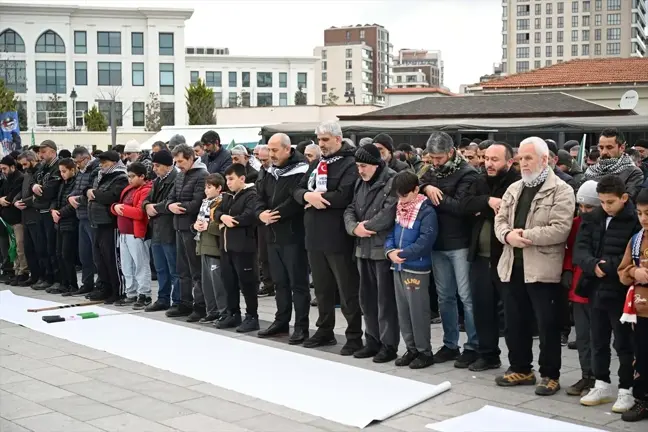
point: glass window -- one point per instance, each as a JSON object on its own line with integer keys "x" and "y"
{"x": 80, "y": 42}
{"x": 538, "y": 9}
{"x": 323, "y": 54}
{"x": 50, "y": 77}
{"x": 302, "y": 79}
{"x": 523, "y": 24}
{"x": 324, "y": 87}
{"x": 348, "y": 53}
{"x": 536, "y": 64}
{"x": 80, "y": 109}
{"x": 574, "y": 50}
{"x": 245, "y": 99}
{"x": 213, "y": 79}
{"x": 598, "y": 5}
{"x": 109, "y": 74}
{"x": 323, "y": 65}
{"x": 550, "y": 8}
{"x": 194, "y": 77}
{"x": 613, "y": 49}
{"x": 323, "y": 99}
{"x": 264, "y": 99}
{"x": 137, "y": 43}
{"x": 537, "y": 23}
{"x": 283, "y": 79}
{"x": 613, "y": 5}
{"x": 597, "y": 49}
{"x": 167, "y": 113}
{"x": 167, "y": 79}
{"x": 560, "y": 36}
{"x": 232, "y": 79}
{"x": 104, "y": 108}
{"x": 166, "y": 44}
{"x": 522, "y": 52}
{"x": 586, "y": 20}
{"x": 245, "y": 80}
{"x": 574, "y": 7}
{"x": 586, "y": 35}
{"x": 538, "y": 52}
{"x": 538, "y": 37}
{"x": 522, "y": 38}
{"x": 264, "y": 79}
{"x": 613, "y": 34}
{"x": 548, "y": 62}
{"x": 349, "y": 75}
{"x": 283, "y": 99}
{"x": 575, "y": 21}
{"x": 218, "y": 100}
{"x": 614, "y": 19}
{"x": 597, "y": 34}
{"x": 522, "y": 66}
{"x": 597, "y": 20}
{"x": 560, "y": 50}
{"x": 349, "y": 64}
{"x": 548, "y": 51}
{"x": 585, "y": 49}
{"x": 561, "y": 22}
{"x": 108, "y": 43}
{"x": 138, "y": 113}
{"x": 10, "y": 41}
{"x": 548, "y": 23}
{"x": 14, "y": 75}
{"x": 549, "y": 37}
{"x": 80, "y": 73}
{"x": 138, "y": 74}
{"x": 324, "y": 76}
{"x": 50, "y": 42}
{"x": 586, "y": 6}
{"x": 574, "y": 36}
{"x": 232, "y": 100}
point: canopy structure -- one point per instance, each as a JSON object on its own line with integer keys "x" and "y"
{"x": 247, "y": 135}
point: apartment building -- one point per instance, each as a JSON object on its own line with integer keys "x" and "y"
{"x": 539, "y": 33}
{"x": 62, "y": 60}
{"x": 417, "y": 68}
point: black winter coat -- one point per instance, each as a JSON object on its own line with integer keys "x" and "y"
{"x": 107, "y": 192}
{"x": 242, "y": 207}
{"x": 276, "y": 194}
{"x": 161, "y": 225}
{"x": 189, "y": 191}
{"x": 84, "y": 181}
{"x": 49, "y": 177}
{"x": 454, "y": 222}
{"x": 251, "y": 175}
{"x": 595, "y": 243}
{"x": 476, "y": 203}
{"x": 30, "y": 215}
{"x": 565, "y": 177}
{"x": 217, "y": 162}
{"x": 68, "y": 221}
{"x": 398, "y": 165}
{"x": 10, "y": 189}
{"x": 325, "y": 231}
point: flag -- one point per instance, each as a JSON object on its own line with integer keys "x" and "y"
{"x": 33, "y": 138}
{"x": 581, "y": 152}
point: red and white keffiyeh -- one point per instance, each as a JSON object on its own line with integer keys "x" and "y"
{"x": 406, "y": 212}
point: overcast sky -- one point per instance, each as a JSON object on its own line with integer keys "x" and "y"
{"x": 466, "y": 31}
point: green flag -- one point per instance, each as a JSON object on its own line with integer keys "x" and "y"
{"x": 581, "y": 152}
{"x": 33, "y": 138}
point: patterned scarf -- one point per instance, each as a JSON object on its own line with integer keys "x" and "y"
{"x": 318, "y": 180}
{"x": 609, "y": 166}
{"x": 538, "y": 180}
{"x": 406, "y": 212}
{"x": 449, "y": 167}
{"x": 293, "y": 169}
{"x": 118, "y": 167}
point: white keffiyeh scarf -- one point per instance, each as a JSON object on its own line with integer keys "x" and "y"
{"x": 318, "y": 180}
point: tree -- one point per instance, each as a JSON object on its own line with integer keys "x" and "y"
{"x": 56, "y": 111}
{"x": 95, "y": 121}
{"x": 332, "y": 98}
{"x": 8, "y": 100}
{"x": 152, "y": 121}
{"x": 200, "y": 104}
{"x": 300, "y": 97}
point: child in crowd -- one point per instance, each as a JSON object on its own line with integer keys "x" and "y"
{"x": 207, "y": 247}
{"x": 409, "y": 247}
{"x": 587, "y": 200}
{"x": 238, "y": 250}
{"x": 633, "y": 272}
{"x": 600, "y": 245}
{"x": 134, "y": 243}
{"x": 64, "y": 216}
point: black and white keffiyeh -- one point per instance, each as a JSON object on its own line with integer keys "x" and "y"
{"x": 289, "y": 170}
{"x": 609, "y": 166}
{"x": 538, "y": 180}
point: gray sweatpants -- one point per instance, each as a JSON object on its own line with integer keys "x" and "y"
{"x": 414, "y": 315}
{"x": 212, "y": 285}
{"x": 582, "y": 324}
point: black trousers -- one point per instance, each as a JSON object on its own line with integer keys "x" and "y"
{"x": 565, "y": 312}
{"x": 265, "y": 271}
{"x": 333, "y": 272}
{"x": 189, "y": 269}
{"x": 50, "y": 265}
{"x": 239, "y": 275}
{"x": 289, "y": 268}
{"x": 640, "y": 386}
{"x": 521, "y": 301}
{"x": 485, "y": 286}
{"x": 34, "y": 240}
{"x": 604, "y": 322}
{"x": 66, "y": 252}
{"x": 378, "y": 303}
{"x": 107, "y": 261}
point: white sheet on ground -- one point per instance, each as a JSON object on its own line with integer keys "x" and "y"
{"x": 493, "y": 419}
{"x": 338, "y": 392}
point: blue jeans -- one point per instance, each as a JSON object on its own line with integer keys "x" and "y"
{"x": 451, "y": 275}
{"x": 88, "y": 269}
{"x": 164, "y": 258}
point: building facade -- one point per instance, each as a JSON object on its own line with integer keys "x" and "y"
{"x": 345, "y": 75}
{"x": 63, "y": 60}
{"x": 417, "y": 68}
{"x": 536, "y": 34}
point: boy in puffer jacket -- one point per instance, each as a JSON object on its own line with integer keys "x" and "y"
{"x": 409, "y": 247}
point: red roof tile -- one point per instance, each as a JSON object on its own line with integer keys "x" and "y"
{"x": 579, "y": 72}
{"x": 422, "y": 90}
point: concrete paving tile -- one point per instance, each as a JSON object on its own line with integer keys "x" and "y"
{"x": 33, "y": 336}
{"x": 75, "y": 363}
{"x": 492, "y": 392}
{"x": 166, "y": 392}
{"x": 7, "y": 376}
{"x": 8, "y": 426}
{"x": 4, "y": 352}
{"x": 592, "y": 425}
{"x": 14, "y": 407}
{"x": 273, "y": 423}
{"x": 573, "y": 411}
{"x": 331, "y": 426}
{"x": 129, "y": 423}
{"x": 100, "y": 391}
{"x": 56, "y": 376}
{"x": 150, "y": 409}
{"x": 28, "y": 349}
{"x": 420, "y": 375}
{"x": 461, "y": 407}
{"x": 223, "y": 410}
{"x": 81, "y": 408}
{"x": 410, "y": 422}
{"x": 280, "y": 410}
{"x": 118, "y": 377}
{"x": 55, "y": 422}
{"x": 6, "y": 324}
{"x": 221, "y": 393}
{"x": 20, "y": 363}
{"x": 36, "y": 391}
{"x": 625, "y": 426}
{"x": 202, "y": 423}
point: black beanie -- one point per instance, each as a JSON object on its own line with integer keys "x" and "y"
{"x": 163, "y": 157}
{"x": 368, "y": 154}
{"x": 386, "y": 141}
{"x": 8, "y": 160}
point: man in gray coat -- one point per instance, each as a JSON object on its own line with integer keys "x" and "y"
{"x": 369, "y": 218}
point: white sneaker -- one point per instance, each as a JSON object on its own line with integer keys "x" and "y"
{"x": 602, "y": 393}
{"x": 624, "y": 402}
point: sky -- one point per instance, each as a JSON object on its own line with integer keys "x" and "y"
{"x": 468, "y": 32}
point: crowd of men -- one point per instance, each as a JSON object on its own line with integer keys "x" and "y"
{"x": 487, "y": 238}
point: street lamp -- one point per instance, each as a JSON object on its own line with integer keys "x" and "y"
{"x": 73, "y": 96}
{"x": 350, "y": 95}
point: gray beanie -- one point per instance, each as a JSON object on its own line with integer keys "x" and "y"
{"x": 176, "y": 139}
{"x": 587, "y": 194}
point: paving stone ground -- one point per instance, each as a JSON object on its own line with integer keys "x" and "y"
{"x": 51, "y": 385}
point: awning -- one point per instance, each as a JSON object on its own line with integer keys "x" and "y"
{"x": 247, "y": 135}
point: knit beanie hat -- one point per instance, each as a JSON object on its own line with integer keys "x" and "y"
{"x": 163, "y": 157}
{"x": 564, "y": 158}
{"x": 368, "y": 154}
{"x": 8, "y": 160}
{"x": 385, "y": 140}
{"x": 587, "y": 194}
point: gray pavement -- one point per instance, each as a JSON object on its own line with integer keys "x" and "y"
{"x": 52, "y": 385}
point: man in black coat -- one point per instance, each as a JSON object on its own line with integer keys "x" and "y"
{"x": 30, "y": 217}
{"x": 283, "y": 218}
{"x": 483, "y": 201}
{"x": 11, "y": 215}
{"x": 216, "y": 158}
{"x": 326, "y": 190}
{"x": 385, "y": 144}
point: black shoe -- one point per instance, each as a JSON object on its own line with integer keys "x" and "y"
{"x": 367, "y": 351}
{"x": 209, "y": 319}
{"x": 249, "y": 324}
{"x": 111, "y": 300}
{"x": 28, "y": 282}
{"x": 572, "y": 345}
{"x": 298, "y": 336}
{"x": 6, "y": 277}
{"x": 70, "y": 292}
{"x": 320, "y": 339}
{"x": 154, "y": 276}
{"x": 638, "y": 412}
{"x": 142, "y": 302}
{"x": 466, "y": 358}
{"x": 156, "y": 307}
{"x": 422, "y": 361}
{"x": 228, "y": 321}
{"x": 59, "y": 289}
{"x": 564, "y": 339}
{"x": 127, "y": 301}
{"x": 351, "y": 347}
{"x": 582, "y": 387}
{"x": 407, "y": 358}
{"x": 54, "y": 288}
{"x": 19, "y": 280}
{"x": 266, "y": 291}
{"x": 41, "y": 285}
{"x": 83, "y": 291}
{"x": 275, "y": 329}
{"x": 385, "y": 355}
{"x": 177, "y": 310}
{"x": 195, "y": 317}
{"x": 99, "y": 295}
{"x": 485, "y": 363}
{"x": 446, "y": 354}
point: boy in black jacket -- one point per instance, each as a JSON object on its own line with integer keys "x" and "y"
{"x": 238, "y": 250}
{"x": 66, "y": 223}
{"x": 600, "y": 246}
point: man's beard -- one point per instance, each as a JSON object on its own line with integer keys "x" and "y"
{"x": 500, "y": 172}
{"x": 529, "y": 178}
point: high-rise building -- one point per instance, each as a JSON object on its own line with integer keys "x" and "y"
{"x": 417, "y": 68}
{"x": 541, "y": 33}
{"x": 356, "y": 62}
